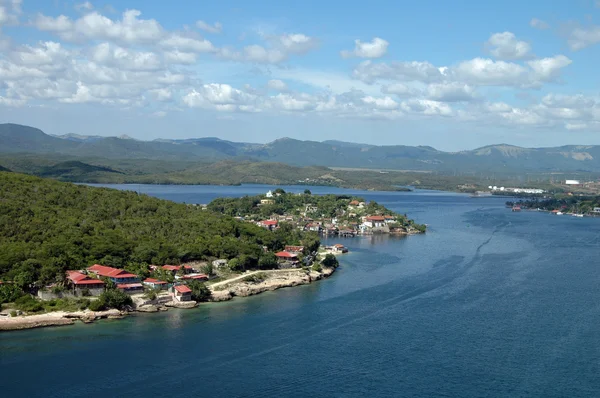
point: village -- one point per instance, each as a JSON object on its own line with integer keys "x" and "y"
{"x": 354, "y": 217}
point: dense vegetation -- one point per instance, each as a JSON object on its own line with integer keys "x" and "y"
{"x": 47, "y": 227}
{"x": 564, "y": 203}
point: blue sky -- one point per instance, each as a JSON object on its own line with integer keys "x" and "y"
{"x": 453, "y": 75}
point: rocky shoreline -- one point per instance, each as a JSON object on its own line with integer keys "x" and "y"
{"x": 222, "y": 291}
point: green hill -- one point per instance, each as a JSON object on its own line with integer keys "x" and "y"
{"x": 47, "y": 227}
{"x": 502, "y": 158}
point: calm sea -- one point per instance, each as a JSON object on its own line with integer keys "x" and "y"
{"x": 487, "y": 303}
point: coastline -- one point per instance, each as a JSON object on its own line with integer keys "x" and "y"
{"x": 226, "y": 290}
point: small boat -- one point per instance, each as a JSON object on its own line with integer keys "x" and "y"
{"x": 516, "y": 208}
{"x": 577, "y": 215}
{"x": 481, "y": 194}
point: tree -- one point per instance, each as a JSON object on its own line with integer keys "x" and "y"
{"x": 307, "y": 192}
{"x": 200, "y": 292}
{"x": 268, "y": 261}
{"x": 330, "y": 261}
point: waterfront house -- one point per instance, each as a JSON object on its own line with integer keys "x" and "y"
{"x": 267, "y": 201}
{"x": 339, "y": 248}
{"x": 118, "y": 276}
{"x": 182, "y": 293}
{"x": 155, "y": 283}
{"x": 131, "y": 288}
{"x": 374, "y": 221}
{"x": 198, "y": 277}
{"x": 81, "y": 282}
{"x": 354, "y": 203}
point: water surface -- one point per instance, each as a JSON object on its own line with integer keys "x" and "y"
{"x": 487, "y": 303}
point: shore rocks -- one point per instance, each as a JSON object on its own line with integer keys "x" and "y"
{"x": 181, "y": 304}
{"x": 276, "y": 280}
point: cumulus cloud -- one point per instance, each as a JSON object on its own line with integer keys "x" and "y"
{"x": 376, "y": 48}
{"x": 474, "y": 72}
{"x": 538, "y": 24}
{"x": 369, "y": 72}
{"x": 84, "y": 6}
{"x": 505, "y": 45}
{"x": 399, "y": 89}
{"x": 278, "y": 50}
{"x": 451, "y": 92}
{"x": 215, "y": 28}
{"x": 579, "y": 37}
{"x": 278, "y": 85}
{"x": 94, "y": 26}
{"x": 122, "y": 58}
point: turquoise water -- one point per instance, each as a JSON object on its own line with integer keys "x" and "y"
{"x": 487, "y": 303}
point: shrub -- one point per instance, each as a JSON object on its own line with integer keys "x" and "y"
{"x": 200, "y": 292}
{"x": 97, "y": 305}
{"x": 28, "y": 304}
{"x": 111, "y": 298}
{"x": 13, "y": 313}
{"x": 9, "y": 293}
{"x": 86, "y": 292}
{"x": 255, "y": 278}
{"x": 317, "y": 267}
{"x": 330, "y": 261}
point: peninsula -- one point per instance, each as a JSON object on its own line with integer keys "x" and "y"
{"x": 72, "y": 252}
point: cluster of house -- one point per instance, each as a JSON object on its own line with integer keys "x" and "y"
{"x": 90, "y": 280}
{"x": 331, "y": 226}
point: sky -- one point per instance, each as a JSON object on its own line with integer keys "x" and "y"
{"x": 452, "y": 75}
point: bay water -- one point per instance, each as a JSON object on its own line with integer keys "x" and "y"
{"x": 487, "y": 303}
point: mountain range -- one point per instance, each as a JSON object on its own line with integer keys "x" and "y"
{"x": 19, "y": 139}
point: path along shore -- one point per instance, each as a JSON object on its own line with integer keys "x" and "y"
{"x": 241, "y": 286}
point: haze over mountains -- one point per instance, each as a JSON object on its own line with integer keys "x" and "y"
{"x": 16, "y": 139}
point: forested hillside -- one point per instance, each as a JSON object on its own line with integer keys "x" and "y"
{"x": 47, "y": 227}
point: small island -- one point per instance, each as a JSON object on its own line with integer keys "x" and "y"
{"x": 71, "y": 252}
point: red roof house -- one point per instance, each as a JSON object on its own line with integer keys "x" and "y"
{"x": 182, "y": 293}
{"x": 286, "y": 256}
{"x": 155, "y": 283}
{"x": 83, "y": 281}
{"x": 114, "y": 274}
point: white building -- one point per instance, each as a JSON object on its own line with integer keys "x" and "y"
{"x": 269, "y": 194}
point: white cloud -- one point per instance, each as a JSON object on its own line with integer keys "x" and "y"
{"x": 451, "y": 92}
{"x": 506, "y": 46}
{"x": 427, "y": 107}
{"x": 579, "y": 37}
{"x": 278, "y": 85}
{"x": 178, "y": 42}
{"x": 94, "y": 26}
{"x": 107, "y": 54}
{"x": 548, "y": 69}
{"x": 179, "y": 57}
{"x": 84, "y": 6}
{"x": 279, "y": 49}
{"x": 370, "y": 72}
{"x": 294, "y": 43}
{"x": 373, "y": 49}
{"x": 216, "y": 28}
{"x": 538, "y": 24}
{"x": 399, "y": 89}
{"x": 385, "y": 103}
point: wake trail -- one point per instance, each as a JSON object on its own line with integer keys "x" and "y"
{"x": 379, "y": 307}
